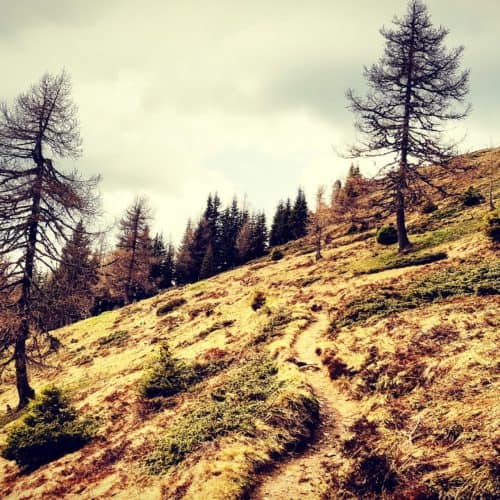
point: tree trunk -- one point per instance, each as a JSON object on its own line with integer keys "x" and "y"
{"x": 318, "y": 244}
{"x": 403, "y": 241}
{"x": 24, "y": 390}
{"x": 492, "y": 203}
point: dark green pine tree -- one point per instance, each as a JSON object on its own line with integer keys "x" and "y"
{"x": 251, "y": 242}
{"x": 68, "y": 294}
{"x": 288, "y": 222}
{"x": 232, "y": 221}
{"x": 299, "y": 216}
{"x": 162, "y": 266}
{"x": 206, "y": 234}
{"x": 259, "y": 235}
{"x": 276, "y": 235}
{"x": 208, "y": 264}
{"x": 282, "y": 226}
{"x": 185, "y": 268}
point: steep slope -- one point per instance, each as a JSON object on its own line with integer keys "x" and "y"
{"x": 360, "y": 375}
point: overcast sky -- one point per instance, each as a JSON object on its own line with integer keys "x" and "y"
{"x": 179, "y": 98}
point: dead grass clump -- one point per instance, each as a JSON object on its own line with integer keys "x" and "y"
{"x": 372, "y": 475}
{"x": 115, "y": 339}
{"x": 396, "y": 375}
{"x": 170, "y": 306}
{"x": 336, "y": 367}
{"x": 364, "y": 434}
{"x": 218, "y": 325}
{"x": 258, "y": 300}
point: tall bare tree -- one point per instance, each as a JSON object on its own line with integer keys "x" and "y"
{"x": 40, "y": 204}
{"x": 412, "y": 90}
{"x": 319, "y": 220}
{"x": 134, "y": 255}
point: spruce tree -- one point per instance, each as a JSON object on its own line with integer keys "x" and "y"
{"x": 207, "y": 268}
{"x": 299, "y": 216}
{"x": 162, "y": 266}
{"x": 69, "y": 293}
{"x": 413, "y": 89}
{"x": 287, "y": 222}
{"x": 185, "y": 269}
{"x": 232, "y": 220}
{"x": 259, "y": 235}
{"x": 276, "y": 236}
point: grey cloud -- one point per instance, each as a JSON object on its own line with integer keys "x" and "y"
{"x": 219, "y": 94}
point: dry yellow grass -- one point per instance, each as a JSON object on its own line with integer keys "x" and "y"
{"x": 437, "y": 431}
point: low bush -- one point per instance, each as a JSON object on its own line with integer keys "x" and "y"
{"x": 258, "y": 300}
{"x": 493, "y": 228}
{"x": 336, "y": 367}
{"x": 50, "y": 429}
{"x": 170, "y": 375}
{"x": 276, "y": 255}
{"x": 170, "y": 306}
{"x": 386, "y": 300}
{"x": 472, "y": 197}
{"x": 117, "y": 338}
{"x": 387, "y": 235}
{"x": 274, "y": 326}
{"x": 408, "y": 261}
{"x": 167, "y": 377}
{"x": 234, "y": 406}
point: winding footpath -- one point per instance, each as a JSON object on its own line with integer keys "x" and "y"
{"x": 303, "y": 475}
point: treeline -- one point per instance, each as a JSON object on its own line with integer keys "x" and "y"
{"x": 89, "y": 281}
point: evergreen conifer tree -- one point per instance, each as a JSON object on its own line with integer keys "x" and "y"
{"x": 68, "y": 294}
{"x": 299, "y": 216}
{"x": 185, "y": 271}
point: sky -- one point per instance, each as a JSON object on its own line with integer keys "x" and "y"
{"x": 178, "y": 99}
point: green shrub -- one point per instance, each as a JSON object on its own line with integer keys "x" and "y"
{"x": 387, "y": 235}
{"x": 493, "y": 228}
{"x": 386, "y": 300}
{"x": 258, "y": 300}
{"x": 170, "y": 375}
{"x": 236, "y": 406}
{"x": 170, "y": 306}
{"x": 429, "y": 207}
{"x": 472, "y": 197}
{"x": 276, "y": 255}
{"x": 50, "y": 429}
{"x": 167, "y": 377}
{"x": 409, "y": 261}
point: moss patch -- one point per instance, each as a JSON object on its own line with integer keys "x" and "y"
{"x": 235, "y": 406}
{"x": 483, "y": 280}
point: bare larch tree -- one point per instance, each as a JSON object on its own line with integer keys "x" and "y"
{"x": 414, "y": 89}
{"x": 40, "y": 206}
{"x": 134, "y": 256}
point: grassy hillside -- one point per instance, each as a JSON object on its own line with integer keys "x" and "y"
{"x": 362, "y": 375}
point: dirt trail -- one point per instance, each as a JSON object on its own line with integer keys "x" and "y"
{"x": 303, "y": 476}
